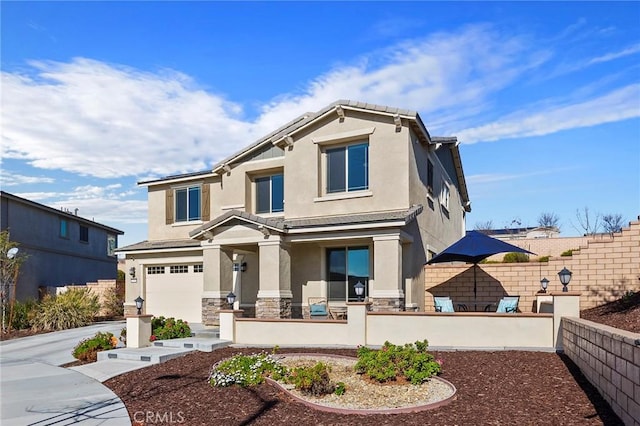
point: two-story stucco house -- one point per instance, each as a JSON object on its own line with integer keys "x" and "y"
{"x": 61, "y": 247}
{"x": 352, "y": 193}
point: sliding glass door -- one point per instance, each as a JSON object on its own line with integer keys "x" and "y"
{"x": 347, "y": 266}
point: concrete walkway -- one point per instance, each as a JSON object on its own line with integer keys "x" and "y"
{"x": 36, "y": 391}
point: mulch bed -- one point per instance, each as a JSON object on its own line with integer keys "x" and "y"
{"x": 623, "y": 313}
{"x": 507, "y": 387}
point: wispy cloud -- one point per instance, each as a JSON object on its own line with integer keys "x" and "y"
{"x": 105, "y": 120}
{"x": 13, "y": 179}
{"x": 618, "y": 105}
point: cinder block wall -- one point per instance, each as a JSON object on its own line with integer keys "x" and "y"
{"x": 603, "y": 269}
{"x": 547, "y": 246}
{"x": 610, "y": 360}
{"x": 100, "y": 288}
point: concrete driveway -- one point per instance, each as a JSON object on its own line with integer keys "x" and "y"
{"x": 35, "y": 391}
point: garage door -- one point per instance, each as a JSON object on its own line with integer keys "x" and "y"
{"x": 174, "y": 291}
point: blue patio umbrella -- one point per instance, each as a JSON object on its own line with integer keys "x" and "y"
{"x": 473, "y": 248}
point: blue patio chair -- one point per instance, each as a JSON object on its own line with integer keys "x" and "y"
{"x": 442, "y": 304}
{"x": 508, "y": 304}
{"x": 318, "y": 308}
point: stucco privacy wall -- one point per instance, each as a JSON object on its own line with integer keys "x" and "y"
{"x": 610, "y": 359}
{"x": 603, "y": 270}
{"x": 442, "y": 330}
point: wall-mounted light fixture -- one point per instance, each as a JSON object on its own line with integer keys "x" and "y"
{"x": 240, "y": 267}
{"x": 132, "y": 271}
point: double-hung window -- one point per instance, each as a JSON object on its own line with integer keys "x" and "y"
{"x": 445, "y": 195}
{"x": 270, "y": 194}
{"x": 187, "y": 204}
{"x": 348, "y": 168}
{"x": 84, "y": 234}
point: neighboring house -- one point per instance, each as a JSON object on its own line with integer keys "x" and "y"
{"x": 523, "y": 233}
{"x": 61, "y": 248}
{"x": 352, "y": 193}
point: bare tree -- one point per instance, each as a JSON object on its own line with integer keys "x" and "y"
{"x": 549, "y": 220}
{"x": 484, "y": 227}
{"x": 588, "y": 224}
{"x": 612, "y": 223}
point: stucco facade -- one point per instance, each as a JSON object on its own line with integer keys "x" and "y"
{"x": 354, "y": 192}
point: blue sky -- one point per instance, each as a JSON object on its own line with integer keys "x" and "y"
{"x": 544, "y": 97}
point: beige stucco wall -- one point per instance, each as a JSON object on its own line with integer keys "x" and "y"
{"x": 603, "y": 270}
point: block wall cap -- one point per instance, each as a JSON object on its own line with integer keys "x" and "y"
{"x": 139, "y": 316}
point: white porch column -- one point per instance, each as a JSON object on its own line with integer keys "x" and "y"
{"x": 274, "y": 294}
{"x": 218, "y": 281}
{"x": 387, "y": 293}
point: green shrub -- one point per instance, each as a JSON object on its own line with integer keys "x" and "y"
{"x": 113, "y": 303}
{"x": 312, "y": 380}
{"x": 411, "y": 361}
{"x": 87, "y": 349}
{"x": 515, "y": 258}
{"x": 246, "y": 370}
{"x": 567, "y": 253}
{"x": 22, "y": 314}
{"x": 544, "y": 259}
{"x": 169, "y": 328}
{"x": 74, "y": 308}
{"x": 341, "y": 388}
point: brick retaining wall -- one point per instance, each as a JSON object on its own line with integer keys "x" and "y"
{"x": 610, "y": 359}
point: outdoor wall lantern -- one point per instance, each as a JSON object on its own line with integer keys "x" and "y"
{"x": 544, "y": 283}
{"x": 231, "y": 299}
{"x": 242, "y": 267}
{"x": 132, "y": 271}
{"x": 565, "y": 277}
{"x": 139, "y": 301}
{"x": 359, "y": 288}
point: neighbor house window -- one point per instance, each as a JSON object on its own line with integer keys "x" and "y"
{"x": 270, "y": 194}
{"x": 64, "y": 228}
{"x": 154, "y": 270}
{"x": 187, "y": 205}
{"x": 345, "y": 267}
{"x": 198, "y": 268}
{"x": 444, "y": 195}
{"x": 429, "y": 177}
{"x": 348, "y": 168}
{"x": 178, "y": 269}
{"x": 84, "y": 234}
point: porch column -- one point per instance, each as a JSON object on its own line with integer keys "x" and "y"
{"x": 387, "y": 293}
{"x": 274, "y": 294}
{"x": 218, "y": 281}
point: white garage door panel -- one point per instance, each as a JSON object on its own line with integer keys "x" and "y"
{"x": 175, "y": 295}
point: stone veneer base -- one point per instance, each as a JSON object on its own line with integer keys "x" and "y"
{"x": 211, "y": 310}
{"x": 273, "y": 307}
{"x": 387, "y": 304}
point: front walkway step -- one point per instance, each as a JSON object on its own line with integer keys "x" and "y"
{"x": 191, "y": 343}
{"x": 150, "y": 354}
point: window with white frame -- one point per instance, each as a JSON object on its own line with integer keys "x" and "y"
{"x": 198, "y": 268}
{"x": 178, "y": 269}
{"x": 445, "y": 193}
{"x": 270, "y": 194}
{"x": 347, "y": 168}
{"x": 155, "y": 270}
{"x": 188, "y": 204}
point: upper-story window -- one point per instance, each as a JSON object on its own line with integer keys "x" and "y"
{"x": 84, "y": 234}
{"x": 445, "y": 194}
{"x": 187, "y": 204}
{"x": 270, "y": 194}
{"x": 348, "y": 168}
{"x": 64, "y": 228}
{"x": 429, "y": 177}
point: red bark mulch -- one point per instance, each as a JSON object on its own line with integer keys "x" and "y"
{"x": 623, "y": 313}
{"x": 507, "y": 387}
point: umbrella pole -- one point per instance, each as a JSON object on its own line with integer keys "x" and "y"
{"x": 475, "y": 289}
